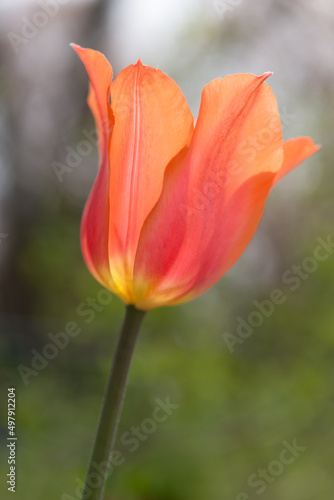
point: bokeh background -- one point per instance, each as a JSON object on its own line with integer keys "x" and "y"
{"x": 237, "y": 403}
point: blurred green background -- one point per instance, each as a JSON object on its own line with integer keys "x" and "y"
{"x": 239, "y": 403}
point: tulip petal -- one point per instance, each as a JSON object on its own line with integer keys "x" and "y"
{"x": 95, "y": 221}
{"x": 295, "y": 152}
{"x": 231, "y": 162}
{"x": 152, "y": 123}
{"x": 238, "y": 132}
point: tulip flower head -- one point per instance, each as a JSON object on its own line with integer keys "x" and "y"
{"x": 174, "y": 204}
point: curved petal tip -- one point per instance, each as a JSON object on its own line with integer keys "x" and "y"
{"x": 295, "y": 152}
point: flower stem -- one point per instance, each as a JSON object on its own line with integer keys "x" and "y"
{"x": 99, "y": 465}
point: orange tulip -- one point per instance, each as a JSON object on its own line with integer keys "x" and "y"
{"x": 175, "y": 205}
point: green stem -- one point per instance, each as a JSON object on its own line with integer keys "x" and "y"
{"x": 99, "y": 465}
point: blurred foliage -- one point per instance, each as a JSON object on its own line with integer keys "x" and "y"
{"x": 235, "y": 409}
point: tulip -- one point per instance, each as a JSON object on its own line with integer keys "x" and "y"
{"x": 174, "y": 204}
